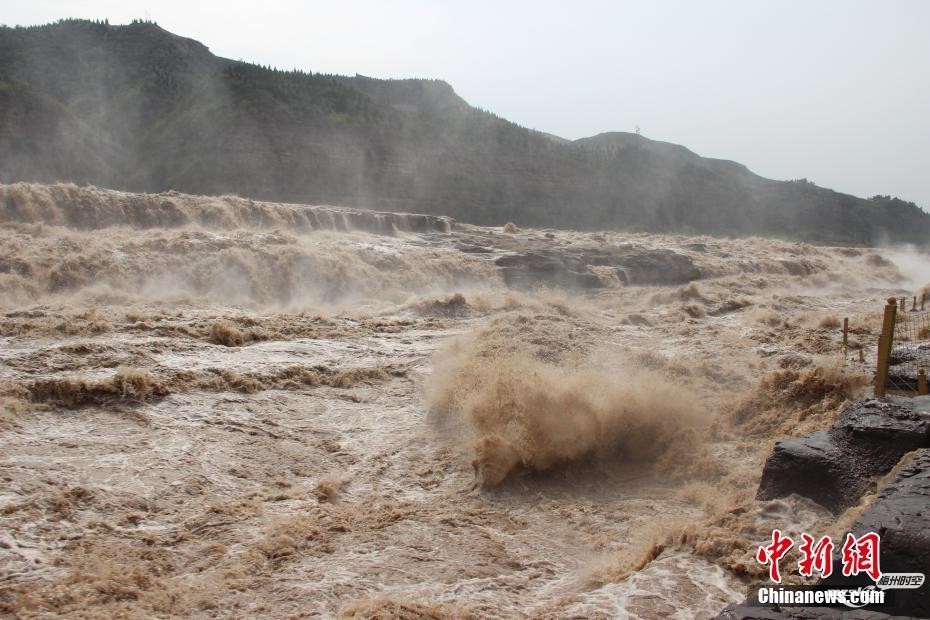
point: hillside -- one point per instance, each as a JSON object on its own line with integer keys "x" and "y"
{"x": 138, "y": 108}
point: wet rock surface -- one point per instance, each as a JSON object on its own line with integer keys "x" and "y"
{"x": 748, "y": 612}
{"x": 638, "y": 265}
{"x": 550, "y": 268}
{"x": 527, "y": 259}
{"x": 835, "y": 467}
{"x": 901, "y": 517}
{"x": 631, "y": 265}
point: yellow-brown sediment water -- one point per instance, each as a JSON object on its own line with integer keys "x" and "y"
{"x": 219, "y": 407}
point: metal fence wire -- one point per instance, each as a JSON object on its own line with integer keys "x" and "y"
{"x": 904, "y": 348}
{"x": 910, "y": 350}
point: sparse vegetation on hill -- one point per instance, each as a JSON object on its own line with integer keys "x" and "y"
{"x": 135, "y": 107}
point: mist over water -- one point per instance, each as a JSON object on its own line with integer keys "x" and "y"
{"x": 913, "y": 263}
{"x": 224, "y": 406}
{"x": 225, "y": 249}
{"x": 139, "y": 108}
{"x": 234, "y": 407}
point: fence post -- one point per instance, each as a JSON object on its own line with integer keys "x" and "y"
{"x": 884, "y": 346}
{"x": 903, "y": 304}
{"x": 914, "y": 305}
{"x": 921, "y": 382}
{"x": 923, "y": 299}
{"x": 845, "y": 338}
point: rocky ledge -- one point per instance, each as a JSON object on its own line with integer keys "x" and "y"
{"x": 835, "y": 467}
{"x": 546, "y": 268}
{"x": 901, "y": 516}
{"x": 629, "y": 264}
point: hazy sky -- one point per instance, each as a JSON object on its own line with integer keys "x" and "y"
{"x": 835, "y": 91}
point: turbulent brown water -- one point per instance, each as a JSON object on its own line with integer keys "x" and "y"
{"x": 215, "y": 407}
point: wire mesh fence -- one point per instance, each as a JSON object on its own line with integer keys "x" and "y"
{"x": 903, "y": 359}
{"x": 909, "y": 355}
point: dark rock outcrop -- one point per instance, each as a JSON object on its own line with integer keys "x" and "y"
{"x": 634, "y": 265}
{"x": 546, "y": 268}
{"x": 749, "y": 612}
{"x": 638, "y": 265}
{"x": 471, "y": 248}
{"x": 835, "y": 467}
{"x": 901, "y": 516}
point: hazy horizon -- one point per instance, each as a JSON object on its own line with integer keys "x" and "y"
{"x": 829, "y": 92}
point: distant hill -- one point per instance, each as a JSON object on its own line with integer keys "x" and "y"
{"x": 138, "y": 108}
